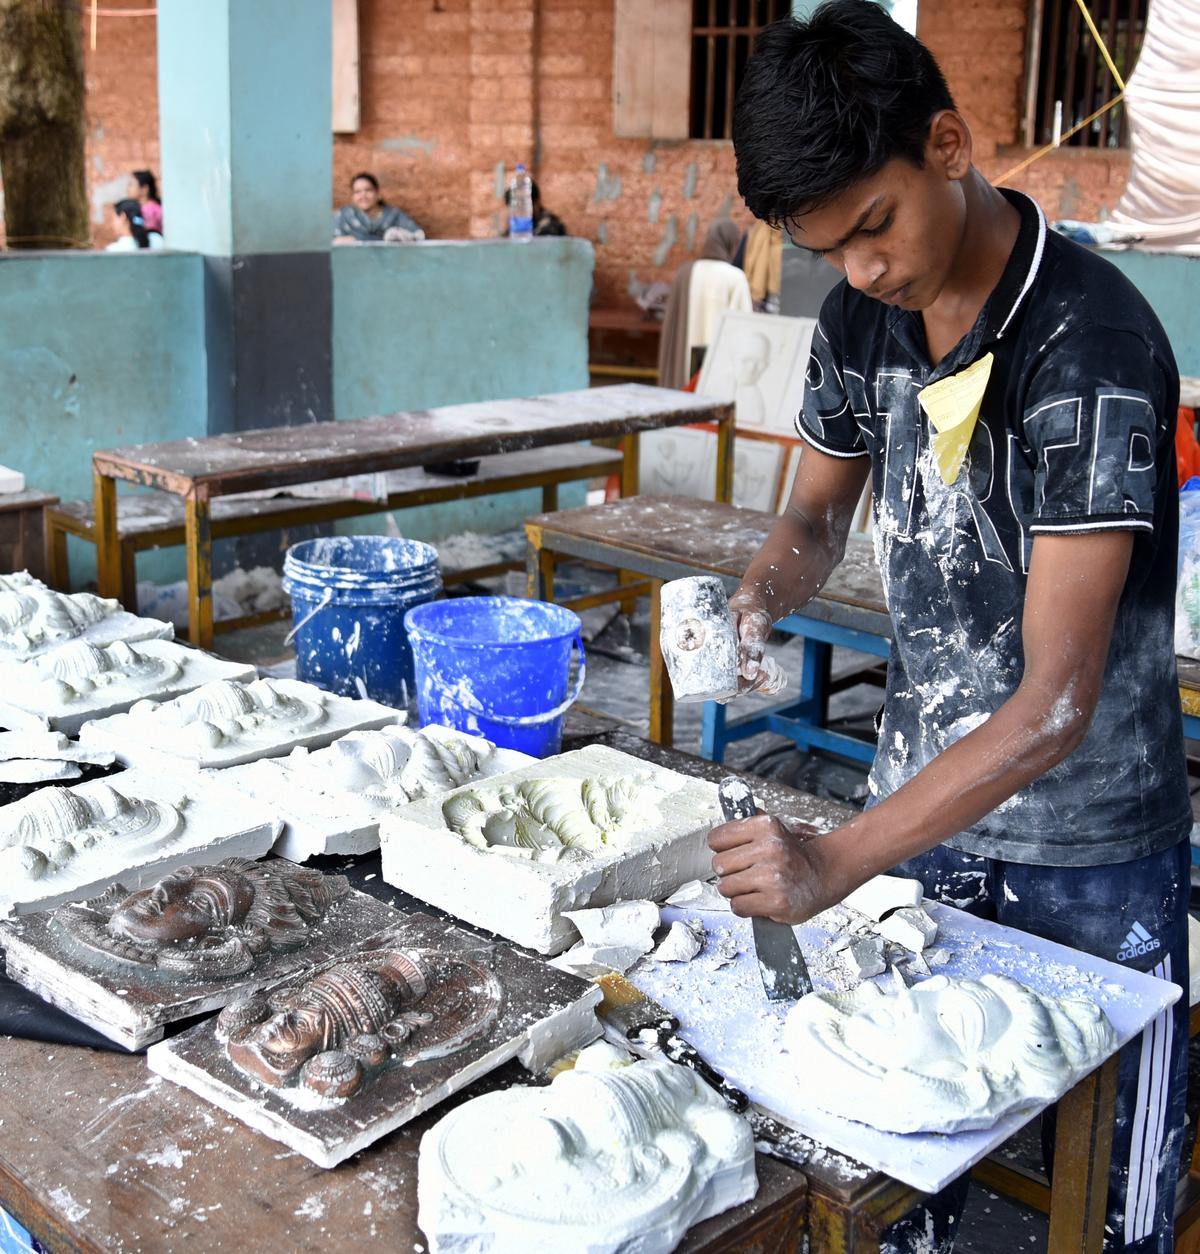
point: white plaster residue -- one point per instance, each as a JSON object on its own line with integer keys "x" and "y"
{"x": 945, "y": 1055}
{"x": 609, "y": 1157}
{"x": 72, "y": 1210}
{"x": 169, "y": 1156}
{"x": 311, "y": 1208}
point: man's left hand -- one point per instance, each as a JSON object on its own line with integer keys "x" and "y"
{"x": 771, "y": 870}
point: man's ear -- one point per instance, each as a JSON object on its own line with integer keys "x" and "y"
{"x": 948, "y": 148}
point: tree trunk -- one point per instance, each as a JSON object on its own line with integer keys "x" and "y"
{"x": 42, "y": 125}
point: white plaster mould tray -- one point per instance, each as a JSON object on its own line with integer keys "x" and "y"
{"x": 77, "y": 682}
{"x": 330, "y": 801}
{"x": 131, "y": 827}
{"x": 225, "y": 723}
{"x": 539, "y": 1014}
{"x": 524, "y": 899}
{"x": 724, "y": 1014}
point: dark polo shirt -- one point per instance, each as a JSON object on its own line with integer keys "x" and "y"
{"x": 1075, "y": 434}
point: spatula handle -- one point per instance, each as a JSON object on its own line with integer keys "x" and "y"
{"x": 737, "y": 801}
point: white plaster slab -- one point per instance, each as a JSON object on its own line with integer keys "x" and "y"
{"x": 541, "y": 1014}
{"x": 226, "y": 723}
{"x": 723, "y": 1013}
{"x": 172, "y": 822}
{"x": 525, "y": 899}
{"x": 50, "y": 745}
{"x": 330, "y": 800}
{"x": 37, "y": 770}
{"x": 78, "y": 682}
{"x": 130, "y": 1002}
{"x": 35, "y": 619}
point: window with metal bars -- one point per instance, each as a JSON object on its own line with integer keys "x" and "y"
{"x": 1067, "y": 78}
{"x": 723, "y": 35}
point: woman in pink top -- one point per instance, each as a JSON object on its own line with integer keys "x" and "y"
{"x": 143, "y": 187}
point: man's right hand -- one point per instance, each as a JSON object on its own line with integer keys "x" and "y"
{"x": 752, "y": 621}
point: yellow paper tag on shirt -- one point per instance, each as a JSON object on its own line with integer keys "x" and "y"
{"x": 953, "y": 408}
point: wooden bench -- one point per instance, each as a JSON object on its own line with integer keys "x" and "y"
{"x": 155, "y": 520}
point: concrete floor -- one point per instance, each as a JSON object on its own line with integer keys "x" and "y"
{"x": 617, "y": 686}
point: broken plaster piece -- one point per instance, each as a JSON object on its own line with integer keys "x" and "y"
{"x": 701, "y": 895}
{"x": 683, "y": 941}
{"x": 627, "y": 924}
{"x": 946, "y": 1055}
{"x": 883, "y": 893}
{"x": 591, "y": 961}
{"x": 863, "y": 957}
{"x": 50, "y": 745}
{"x": 37, "y": 770}
{"x": 910, "y": 927}
{"x": 605, "y": 1158}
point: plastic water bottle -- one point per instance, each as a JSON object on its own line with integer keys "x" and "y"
{"x": 520, "y": 205}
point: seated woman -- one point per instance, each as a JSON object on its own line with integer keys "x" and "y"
{"x": 370, "y": 219}
{"x": 143, "y": 187}
{"x": 131, "y": 229}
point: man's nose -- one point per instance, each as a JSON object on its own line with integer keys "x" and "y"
{"x": 863, "y": 270}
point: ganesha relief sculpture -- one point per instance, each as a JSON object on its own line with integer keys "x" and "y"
{"x": 203, "y": 922}
{"x": 329, "y": 1034}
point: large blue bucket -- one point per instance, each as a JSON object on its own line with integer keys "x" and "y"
{"x": 497, "y": 667}
{"x": 349, "y": 596}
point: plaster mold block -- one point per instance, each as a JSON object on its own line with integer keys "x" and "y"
{"x": 66, "y": 844}
{"x": 78, "y": 681}
{"x": 332, "y": 1059}
{"x": 609, "y": 1157}
{"x": 883, "y": 893}
{"x": 331, "y": 800}
{"x": 126, "y": 963}
{"x": 587, "y": 828}
{"x": 946, "y": 1055}
{"x": 909, "y": 926}
{"x": 226, "y": 723}
{"x": 35, "y": 619}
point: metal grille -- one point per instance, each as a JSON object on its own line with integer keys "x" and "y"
{"x": 1065, "y": 67}
{"x": 723, "y": 35}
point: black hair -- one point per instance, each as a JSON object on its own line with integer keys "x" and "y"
{"x": 146, "y": 179}
{"x": 534, "y": 189}
{"x": 826, "y": 103}
{"x": 368, "y": 176}
{"x": 131, "y": 211}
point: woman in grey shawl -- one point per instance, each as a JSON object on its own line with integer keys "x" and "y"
{"x": 370, "y": 219}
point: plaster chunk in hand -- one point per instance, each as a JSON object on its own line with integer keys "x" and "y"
{"x": 883, "y": 893}
{"x": 946, "y": 1055}
{"x": 910, "y": 927}
{"x": 608, "y": 1157}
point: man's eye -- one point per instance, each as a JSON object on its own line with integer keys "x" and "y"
{"x": 878, "y": 230}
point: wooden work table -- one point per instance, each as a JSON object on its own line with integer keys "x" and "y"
{"x": 98, "y": 1154}
{"x": 202, "y": 470}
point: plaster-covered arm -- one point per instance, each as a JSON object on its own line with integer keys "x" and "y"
{"x": 1075, "y": 585}
{"x": 799, "y": 554}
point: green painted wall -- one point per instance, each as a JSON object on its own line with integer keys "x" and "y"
{"x": 98, "y": 349}
{"x": 1171, "y": 283}
{"x": 440, "y": 323}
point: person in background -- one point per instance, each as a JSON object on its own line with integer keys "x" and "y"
{"x": 544, "y": 222}
{"x": 702, "y": 289}
{"x": 131, "y": 227}
{"x": 763, "y": 263}
{"x": 370, "y": 219}
{"x": 143, "y": 187}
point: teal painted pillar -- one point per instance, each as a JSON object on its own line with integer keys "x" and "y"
{"x": 245, "y": 118}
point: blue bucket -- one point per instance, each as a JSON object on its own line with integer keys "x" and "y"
{"x": 497, "y": 667}
{"x": 349, "y": 596}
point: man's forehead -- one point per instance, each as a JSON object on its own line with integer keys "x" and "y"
{"x": 822, "y": 228}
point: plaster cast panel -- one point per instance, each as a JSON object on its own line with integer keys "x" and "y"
{"x": 611, "y": 1156}
{"x": 335, "y": 1058}
{"x": 66, "y": 844}
{"x": 225, "y": 723}
{"x": 126, "y": 963}
{"x": 330, "y": 800}
{"x": 586, "y": 828}
{"x": 946, "y": 1055}
{"x": 78, "y": 681}
{"x": 50, "y": 746}
{"x": 35, "y": 619}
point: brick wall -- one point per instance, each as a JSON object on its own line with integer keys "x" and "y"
{"x": 454, "y": 89}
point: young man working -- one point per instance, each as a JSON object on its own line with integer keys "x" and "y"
{"x": 1030, "y": 762}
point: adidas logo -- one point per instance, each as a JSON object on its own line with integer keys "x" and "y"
{"x": 1137, "y": 943}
